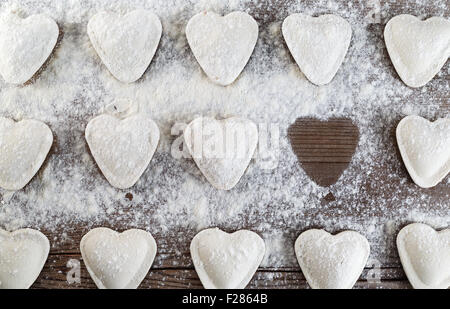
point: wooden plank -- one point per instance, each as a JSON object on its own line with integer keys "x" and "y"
{"x": 324, "y": 148}
{"x": 188, "y": 279}
{"x": 54, "y": 275}
{"x": 173, "y": 247}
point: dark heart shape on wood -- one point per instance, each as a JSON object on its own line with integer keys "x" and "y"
{"x": 324, "y": 148}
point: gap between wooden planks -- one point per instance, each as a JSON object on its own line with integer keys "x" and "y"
{"x": 319, "y": 143}
{"x": 54, "y": 275}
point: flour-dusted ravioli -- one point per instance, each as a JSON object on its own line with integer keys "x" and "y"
{"x": 425, "y": 256}
{"x": 118, "y": 260}
{"x": 122, "y": 148}
{"x": 418, "y": 49}
{"x": 226, "y": 261}
{"x": 126, "y": 44}
{"x": 25, "y": 45}
{"x": 222, "y": 45}
{"x": 24, "y": 145}
{"x": 425, "y": 149}
{"x": 222, "y": 149}
{"x": 22, "y": 256}
{"x": 318, "y": 44}
{"x": 331, "y": 261}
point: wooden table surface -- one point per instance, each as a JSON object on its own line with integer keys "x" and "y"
{"x": 323, "y": 155}
{"x": 325, "y": 149}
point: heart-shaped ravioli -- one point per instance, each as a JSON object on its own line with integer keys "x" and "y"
{"x": 222, "y": 45}
{"x": 418, "y": 49}
{"x": 118, "y": 260}
{"x": 24, "y": 145}
{"x": 318, "y": 44}
{"x": 22, "y": 256}
{"x": 226, "y": 261}
{"x": 25, "y": 45}
{"x": 122, "y": 148}
{"x": 425, "y": 149}
{"x": 331, "y": 261}
{"x": 425, "y": 256}
{"x": 126, "y": 44}
{"x": 222, "y": 149}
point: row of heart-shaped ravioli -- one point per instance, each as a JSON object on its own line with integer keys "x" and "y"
{"x": 223, "y": 44}
{"x": 124, "y": 147}
{"x": 229, "y": 261}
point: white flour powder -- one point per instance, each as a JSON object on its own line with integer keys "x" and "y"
{"x": 374, "y": 196}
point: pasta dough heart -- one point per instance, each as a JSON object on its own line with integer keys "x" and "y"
{"x": 425, "y": 256}
{"x": 118, "y": 260}
{"x": 226, "y": 261}
{"x": 418, "y": 49}
{"x": 24, "y": 145}
{"x": 222, "y": 149}
{"x": 425, "y": 149}
{"x": 122, "y": 148}
{"x": 318, "y": 44}
{"x": 222, "y": 45}
{"x": 331, "y": 261}
{"x": 25, "y": 45}
{"x": 126, "y": 44}
{"x": 22, "y": 256}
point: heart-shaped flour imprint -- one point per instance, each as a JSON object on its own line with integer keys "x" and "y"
{"x": 24, "y": 145}
{"x": 122, "y": 148}
{"x": 331, "y": 261}
{"x": 418, "y": 49}
{"x": 22, "y": 256}
{"x": 425, "y": 256}
{"x": 118, "y": 260}
{"x": 222, "y": 45}
{"x": 25, "y": 45}
{"x": 226, "y": 261}
{"x": 324, "y": 148}
{"x": 222, "y": 149}
{"x": 425, "y": 149}
{"x": 318, "y": 44}
{"x": 126, "y": 44}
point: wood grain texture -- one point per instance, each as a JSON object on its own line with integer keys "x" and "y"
{"x": 324, "y": 148}
{"x": 55, "y": 271}
{"x": 329, "y": 152}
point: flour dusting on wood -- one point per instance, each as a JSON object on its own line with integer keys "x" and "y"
{"x": 172, "y": 200}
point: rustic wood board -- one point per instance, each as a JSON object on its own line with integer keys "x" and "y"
{"x": 175, "y": 246}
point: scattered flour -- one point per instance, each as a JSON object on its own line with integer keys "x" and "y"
{"x": 374, "y": 196}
